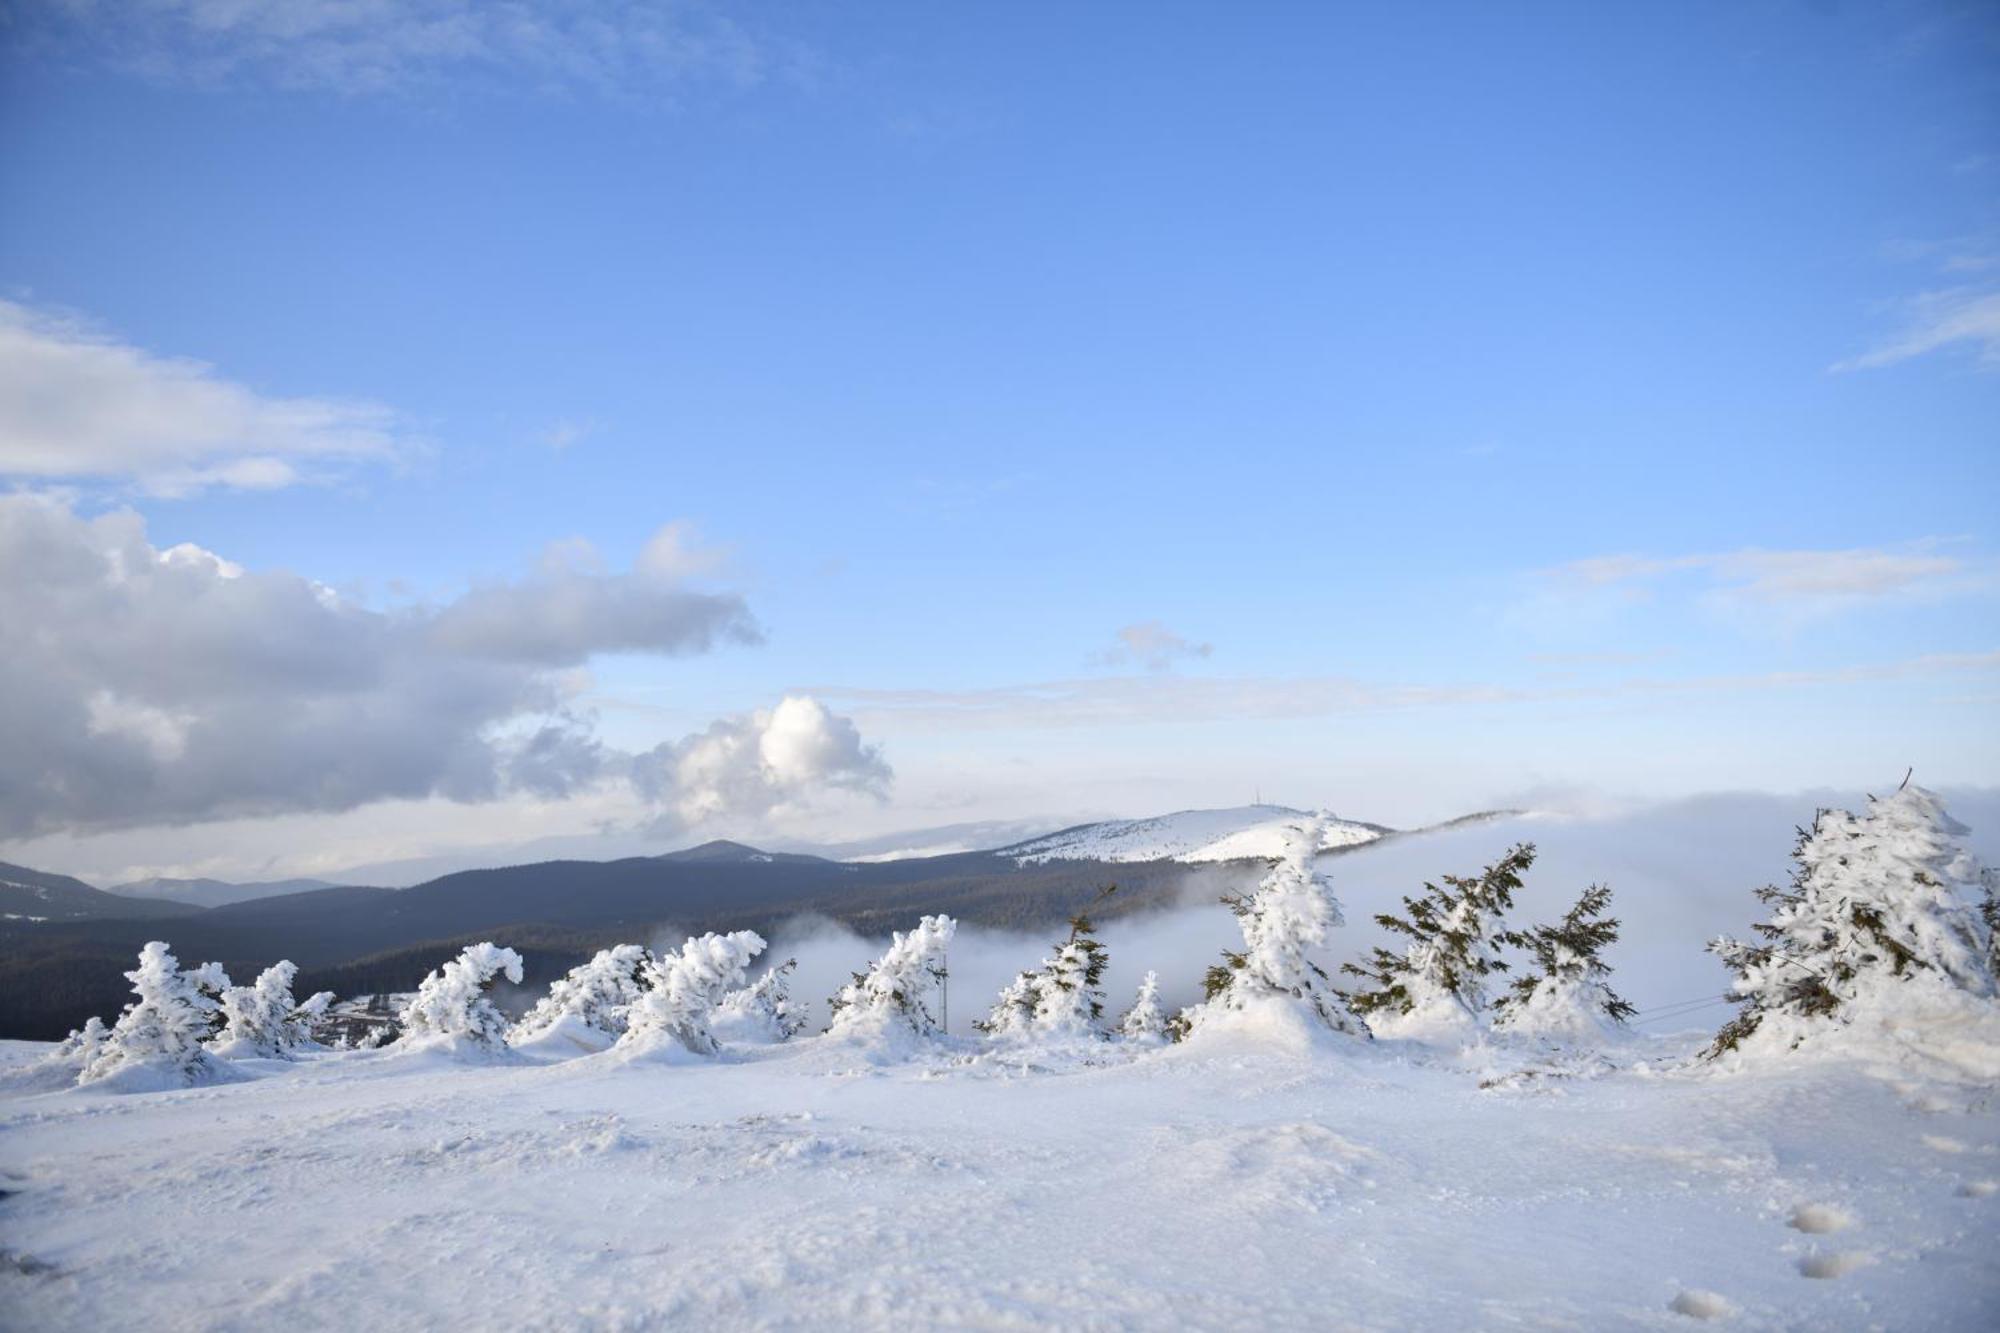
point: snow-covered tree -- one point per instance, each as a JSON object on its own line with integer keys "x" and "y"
{"x": 1879, "y": 919}
{"x": 1283, "y": 921}
{"x": 591, "y": 1003}
{"x": 1145, "y": 1021}
{"x": 1566, "y": 995}
{"x": 76, "y": 1051}
{"x": 158, "y": 1040}
{"x": 761, "y": 1011}
{"x": 896, "y": 991}
{"x": 452, "y": 1004}
{"x": 262, "y": 1019}
{"x": 1455, "y": 931}
{"x": 683, "y": 987}
{"x": 1064, "y": 997}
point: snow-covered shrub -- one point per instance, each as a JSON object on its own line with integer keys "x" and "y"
{"x": 1455, "y": 931}
{"x": 1145, "y": 1021}
{"x": 452, "y": 1008}
{"x": 1566, "y": 996}
{"x": 76, "y": 1051}
{"x": 157, "y": 1041}
{"x": 1878, "y": 928}
{"x": 588, "y": 1008}
{"x": 682, "y": 989}
{"x": 893, "y": 996}
{"x": 1288, "y": 916}
{"x": 262, "y": 1019}
{"x": 1064, "y": 997}
{"x": 760, "y": 1012}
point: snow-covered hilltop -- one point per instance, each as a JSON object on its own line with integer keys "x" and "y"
{"x": 1243, "y": 833}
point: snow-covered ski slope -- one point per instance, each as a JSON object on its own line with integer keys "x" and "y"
{"x": 1247, "y": 832}
{"x": 1248, "y": 1184}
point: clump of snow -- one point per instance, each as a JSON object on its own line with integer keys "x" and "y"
{"x": 892, "y": 1001}
{"x": 1246, "y": 833}
{"x": 263, "y": 1020}
{"x": 587, "y": 1009}
{"x": 1283, "y": 922}
{"x": 452, "y": 1011}
{"x": 157, "y": 1042}
{"x": 683, "y": 988}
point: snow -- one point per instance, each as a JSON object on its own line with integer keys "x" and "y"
{"x": 1216, "y": 1184}
{"x": 1245, "y": 833}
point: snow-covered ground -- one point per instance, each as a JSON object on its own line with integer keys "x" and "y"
{"x": 1218, "y": 1184}
{"x": 1248, "y": 832}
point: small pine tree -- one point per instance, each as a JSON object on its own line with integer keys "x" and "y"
{"x": 452, "y": 1004}
{"x": 1455, "y": 931}
{"x": 762, "y": 1011}
{"x": 683, "y": 988}
{"x": 1064, "y": 996}
{"x": 1288, "y": 916}
{"x": 894, "y": 994}
{"x": 1566, "y": 995}
{"x": 596, "y": 996}
{"x": 76, "y": 1051}
{"x": 162, "y": 1031}
{"x": 263, "y": 1020}
{"x": 1877, "y": 916}
{"x": 1145, "y": 1021}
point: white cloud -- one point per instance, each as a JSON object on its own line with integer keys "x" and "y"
{"x": 1151, "y": 645}
{"x": 1936, "y": 320}
{"x": 754, "y": 766}
{"x": 142, "y": 686}
{"x": 1797, "y": 582}
{"x": 77, "y": 405}
{"x": 365, "y": 47}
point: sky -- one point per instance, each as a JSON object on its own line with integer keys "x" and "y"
{"x": 431, "y": 429}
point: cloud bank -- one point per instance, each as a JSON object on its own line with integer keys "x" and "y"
{"x": 147, "y": 686}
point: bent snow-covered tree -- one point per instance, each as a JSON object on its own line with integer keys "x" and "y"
{"x": 159, "y": 1038}
{"x": 1145, "y": 1021}
{"x": 761, "y": 1011}
{"x": 1879, "y": 922}
{"x": 897, "y": 992}
{"x": 452, "y": 1004}
{"x": 262, "y": 1019}
{"x": 1288, "y": 916}
{"x": 592, "y": 1002}
{"x": 683, "y": 988}
{"x": 1566, "y": 996}
{"x": 1455, "y": 931}
{"x": 1064, "y": 997}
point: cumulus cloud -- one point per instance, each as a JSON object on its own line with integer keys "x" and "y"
{"x": 78, "y": 405}
{"x": 1958, "y": 316}
{"x": 1152, "y": 645}
{"x": 364, "y": 47}
{"x": 145, "y": 686}
{"x": 747, "y": 768}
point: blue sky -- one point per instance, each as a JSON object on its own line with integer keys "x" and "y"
{"x": 1463, "y": 404}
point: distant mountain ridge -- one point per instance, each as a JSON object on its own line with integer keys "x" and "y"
{"x": 37, "y": 896}
{"x": 1242, "y": 833}
{"x": 213, "y": 892}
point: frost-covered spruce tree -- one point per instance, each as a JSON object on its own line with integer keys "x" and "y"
{"x": 1145, "y": 1021}
{"x": 157, "y": 1041}
{"x": 1877, "y": 924}
{"x": 590, "y": 1004}
{"x": 683, "y": 988}
{"x": 76, "y": 1051}
{"x": 1064, "y": 997}
{"x": 1288, "y": 916}
{"x": 1455, "y": 930}
{"x": 262, "y": 1019}
{"x": 894, "y": 995}
{"x": 761, "y": 1011}
{"x": 452, "y": 1005}
{"x": 1566, "y": 996}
